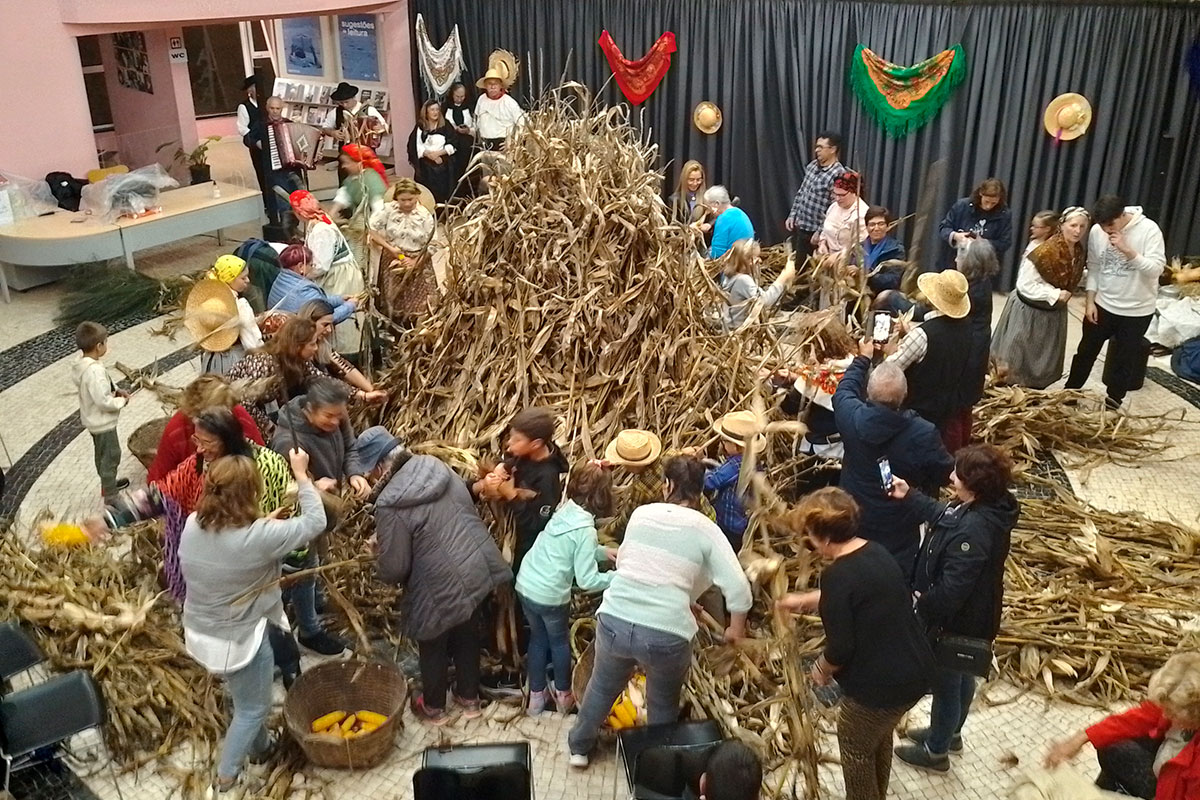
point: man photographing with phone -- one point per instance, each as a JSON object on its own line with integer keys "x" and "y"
{"x": 879, "y": 432}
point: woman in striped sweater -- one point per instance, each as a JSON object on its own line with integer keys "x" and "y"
{"x": 671, "y": 553}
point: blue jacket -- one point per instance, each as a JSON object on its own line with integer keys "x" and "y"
{"x": 730, "y": 228}
{"x": 290, "y": 291}
{"x": 565, "y": 552}
{"x": 994, "y": 225}
{"x": 912, "y": 446}
{"x": 888, "y": 249}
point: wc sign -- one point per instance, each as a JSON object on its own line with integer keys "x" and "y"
{"x": 177, "y": 51}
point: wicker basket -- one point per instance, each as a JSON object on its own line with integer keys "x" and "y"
{"x": 582, "y": 671}
{"x": 347, "y": 686}
{"x": 143, "y": 442}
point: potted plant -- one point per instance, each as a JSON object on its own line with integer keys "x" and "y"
{"x": 196, "y": 159}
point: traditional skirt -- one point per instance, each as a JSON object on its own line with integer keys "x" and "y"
{"x": 406, "y": 286}
{"x": 1030, "y": 342}
{"x": 221, "y": 363}
{"x": 344, "y": 277}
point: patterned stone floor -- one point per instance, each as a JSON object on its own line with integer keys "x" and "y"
{"x": 47, "y": 458}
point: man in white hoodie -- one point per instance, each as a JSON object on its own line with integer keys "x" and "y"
{"x": 1126, "y": 255}
{"x": 100, "y": 404}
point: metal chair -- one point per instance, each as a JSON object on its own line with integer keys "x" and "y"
{"x": 664, "y": 762}
{"x": 501, "y": 771}
{"x": 18, "y": 652}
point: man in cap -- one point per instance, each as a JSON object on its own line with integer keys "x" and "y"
{"x": 248, "y": 115}
{"x": 348, "y": 107}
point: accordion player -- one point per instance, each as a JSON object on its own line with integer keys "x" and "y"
{"x": 293, "y": 145}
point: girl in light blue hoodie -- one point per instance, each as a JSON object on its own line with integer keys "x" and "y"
{"x": 565, "y": 553}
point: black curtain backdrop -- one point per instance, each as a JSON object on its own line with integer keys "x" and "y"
{"x": 778, "y": 70}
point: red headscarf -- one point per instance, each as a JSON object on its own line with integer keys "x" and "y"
{"x": 366, "y": 156}
{"x": 297, "y": 197}
{"x": 848, "y": 182}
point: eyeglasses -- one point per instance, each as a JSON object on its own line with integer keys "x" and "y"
{"x": 837, "y": 195}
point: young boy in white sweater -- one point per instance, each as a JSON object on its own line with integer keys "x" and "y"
{"x": 100, "y": 404}
{"x": 1126, "y": 255}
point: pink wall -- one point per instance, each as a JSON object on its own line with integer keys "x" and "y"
{"x": 144, "y": 121}
{"x": 43, "y": 80}
{"x": 217, "y": 126}
{"x": 100, "y": 16}
{"x": 396, "y": 46}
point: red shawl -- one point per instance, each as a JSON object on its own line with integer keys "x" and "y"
{"x": 638, "y": 79}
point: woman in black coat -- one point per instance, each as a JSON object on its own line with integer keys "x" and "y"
{"x": 431, "y": 151}
{"x": 959, "y": 583}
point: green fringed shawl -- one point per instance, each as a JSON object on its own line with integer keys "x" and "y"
{"x": 902, "y": 99}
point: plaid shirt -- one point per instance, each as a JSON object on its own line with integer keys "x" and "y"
{"x": 914, "y": 345}
{"x": 643, "y": 488}
{"x": 731, "y": 509}
{"x": 815, "y": 195}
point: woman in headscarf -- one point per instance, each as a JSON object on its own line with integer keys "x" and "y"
{"x": 1030, "y": 341}
{"x": 403, "y": 229}
{"x": 231, "y": 271}
{"x": 360, "y": 196}
{"x": 334, "y": 267}
{"x": 431, "y": 152}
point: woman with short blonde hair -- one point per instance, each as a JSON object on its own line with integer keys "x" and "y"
{"x": 739, "y": 281}
{"x": 1150, "y": 751}
{"x": 176, "y": 443}
{"x": 231, "y": 559}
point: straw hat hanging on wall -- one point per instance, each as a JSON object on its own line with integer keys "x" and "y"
{"x": 1068, "y": 116}
{"x": 707, "y": 117}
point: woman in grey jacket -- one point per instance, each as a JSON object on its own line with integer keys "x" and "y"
{"x": 432, "y": 542}
{"x": 231, "y": 561}
{"x": 739, "y": 280}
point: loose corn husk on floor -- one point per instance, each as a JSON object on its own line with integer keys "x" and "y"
{"x": 92, "y": 609}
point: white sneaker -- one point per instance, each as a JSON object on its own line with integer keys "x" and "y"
{"x": 537, "y": 703}
{"x": 579, "y": 760}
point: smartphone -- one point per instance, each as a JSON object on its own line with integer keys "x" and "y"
{"x": 885, "y": 474}
{"x": 883, "y": 326}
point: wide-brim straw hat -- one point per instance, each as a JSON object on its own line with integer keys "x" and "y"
{"x": 633, "y": 448}
{"x": 502, "y": 66}
{"x": 707, "y": 117}
{"x": 947, "y": 292}
{"x": 1068, "y": 116}
{"x": 210, "y": 315}
{"x": 738, "y": 426}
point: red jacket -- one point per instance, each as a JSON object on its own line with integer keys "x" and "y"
{"x": 1179, "y": 778}
{"x": 176, "y": 443}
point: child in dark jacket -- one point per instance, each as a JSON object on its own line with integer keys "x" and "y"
{"x": 528, "y": 480}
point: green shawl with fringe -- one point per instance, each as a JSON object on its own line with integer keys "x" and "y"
{"x": 902, "y": 99}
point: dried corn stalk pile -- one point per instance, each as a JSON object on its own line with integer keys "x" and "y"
{"x": 567, "y": 287}
{"x": 93, "y": 610}
{"x": 1095, "y": 601}
{"x": 1029, "y": 422}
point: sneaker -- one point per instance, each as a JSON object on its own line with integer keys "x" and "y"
{"x": 265, "y": 754}
{"x": 919, "y": 735}
{"x": 434, "y": 716}
{"x": 918, "y": 755}
{"x": 564, "y": 702}
{"x": 471, "y": 709}
{"x": 537, "y": 702}
{"x": 323, "y": 643}
{"x": 578, "y": 760}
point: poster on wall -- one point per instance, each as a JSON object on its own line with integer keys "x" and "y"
{"x": 133, "y": 64}
{"x": 302, "y": 44}
{"x": 358, "y": 47}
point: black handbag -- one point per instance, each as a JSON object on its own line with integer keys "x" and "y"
{"x": 964, "y": 654}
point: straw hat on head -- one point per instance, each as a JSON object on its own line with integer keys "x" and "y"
{"x": 210, "y": 315}
{"x": 633, "y": 448}
{"x": 738, "y": 426}
{"x": 947, "y": 292}
{"x": 502, "y": 66}
{"x": 1068, "y": 116}
{"x": 707, "y": 117}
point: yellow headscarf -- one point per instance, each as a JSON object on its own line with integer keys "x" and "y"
{"x": 227, "y": 268}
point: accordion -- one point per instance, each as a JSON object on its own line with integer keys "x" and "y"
{"x": 293, "y": 145}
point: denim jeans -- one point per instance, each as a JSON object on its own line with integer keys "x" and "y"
{"x": 952, "y": 695}
{"x": 549, "y": 641}
{"x": 250, "y": 688}
{"x": 621, "y": 647}
{"x": 303, "y": 597}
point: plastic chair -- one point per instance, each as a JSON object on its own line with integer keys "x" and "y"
{"x": 45, "y": 715}
{"x": 18, "y": 652}
{"x": 663, "y": 762}
{"x": 476, "y": 772}
{"x": 97, "y": 175}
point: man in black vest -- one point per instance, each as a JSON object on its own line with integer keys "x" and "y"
{"x": 936, "y": 354}
{"x": 874, "y": 425}
{"x": 347, "y": 107}
{"x": 288, "y": 179}
{"x": 248, "y": 116}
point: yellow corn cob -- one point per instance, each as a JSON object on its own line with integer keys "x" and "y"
{"x": 362, "y": 731}
{"x": 328, "y": 721}
{"x": 372, "y": 718}
{"x": 348, "y": 724}
{"x": 625, "y": 712}
{"x": 615, "y": 723}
